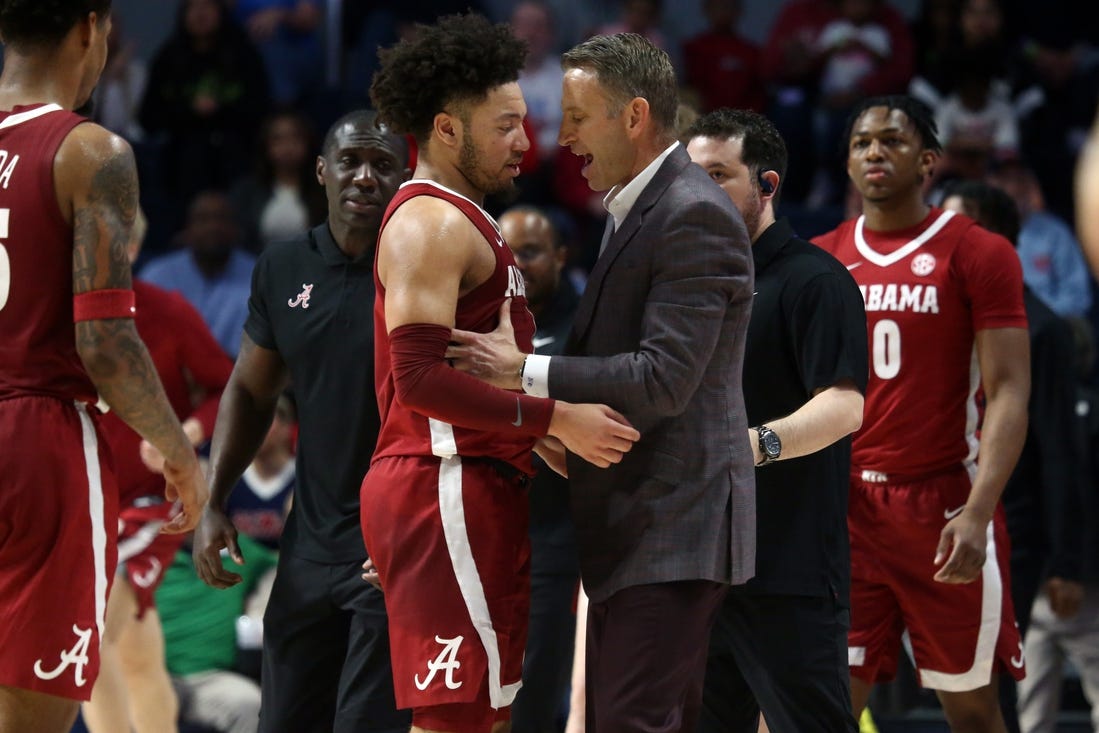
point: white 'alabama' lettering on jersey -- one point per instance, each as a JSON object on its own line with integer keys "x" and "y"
{"x": 903, "y": 297}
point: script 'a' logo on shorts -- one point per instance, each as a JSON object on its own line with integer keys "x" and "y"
{"x": 447, "y": 661}
{"x": 303, "y": 297}
{"x": 77, "y": 657}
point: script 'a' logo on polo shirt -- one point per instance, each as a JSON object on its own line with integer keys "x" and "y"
{"x": 302, "y": 298}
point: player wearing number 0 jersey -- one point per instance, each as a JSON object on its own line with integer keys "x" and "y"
{"x": 947, "y": 334}
{"x": 927, "y": 290}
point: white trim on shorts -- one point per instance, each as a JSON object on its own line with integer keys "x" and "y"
{"x": 452, "y": 513}
{"x": 95, "y": 510}
{"x": 992, "y": 592}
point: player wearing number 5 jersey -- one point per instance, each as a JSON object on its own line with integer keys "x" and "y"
{"x": 947, "y": 334}
{"x": 68, "y": 201}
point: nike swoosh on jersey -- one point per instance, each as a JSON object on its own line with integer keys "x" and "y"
{"x": 852, "y": 267}
{"x": 518, "y": 414}
{"x": 951, "y": 513}
{"x": 544, "y": 341}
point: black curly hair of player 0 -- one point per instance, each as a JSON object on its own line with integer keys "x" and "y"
{"x": 461, "y": 58}
{"x": 30, "y": 23}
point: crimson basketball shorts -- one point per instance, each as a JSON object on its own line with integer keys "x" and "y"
{"x": 959, "y": 634}
{"x": 144, "y": 554}
{"x": 449, "y": 539}
{"x": 58, "y": 526}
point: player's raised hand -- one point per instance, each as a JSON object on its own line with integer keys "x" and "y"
{"x": 598, "y": 434}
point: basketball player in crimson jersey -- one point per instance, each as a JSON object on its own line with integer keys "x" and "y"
{"x": 444, "y": 504}
{"x": 68, "y": 201}
{"x": 945, "y": 319}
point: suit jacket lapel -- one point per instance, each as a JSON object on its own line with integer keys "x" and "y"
{"x": 669, "y": 170}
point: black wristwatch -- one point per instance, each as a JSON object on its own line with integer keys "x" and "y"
{"x": 770, "y": 447}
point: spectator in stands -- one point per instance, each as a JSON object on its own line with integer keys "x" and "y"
{"x": 721, "y": 66}
{"x": 211, "y": 270}
{"x": 287, "y": 35}
{"x": 280, "y": 199}
{"x": 1053, "y": 264}
{"x": 641, "y": 17}
{"x": 261, "y": 499}
{"x": 821, "y": 55}
{"x": 206, "y": 95}
{"x": 201, "y": 646}
{"x": 121, "y": 88}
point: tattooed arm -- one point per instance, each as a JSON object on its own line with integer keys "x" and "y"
{"x": 96, "y": 182}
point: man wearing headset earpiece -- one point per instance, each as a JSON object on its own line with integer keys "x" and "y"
{"x": 780, "y": 641}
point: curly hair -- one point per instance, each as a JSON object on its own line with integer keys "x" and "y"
{"x": 29, "y": 23}
{"x": 459, "y": 59}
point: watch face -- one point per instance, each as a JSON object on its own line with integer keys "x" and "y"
{"x": 772, "y": 446}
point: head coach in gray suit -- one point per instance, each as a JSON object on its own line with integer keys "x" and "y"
{"x": 659, "y": 335}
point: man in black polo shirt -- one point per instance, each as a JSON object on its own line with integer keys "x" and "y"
{"x": 310, "y": 323}
{"x": 780, "y": 642}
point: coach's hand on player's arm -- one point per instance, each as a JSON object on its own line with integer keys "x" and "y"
{"x": 961, "y": 550}
{"x": 215, "y": 532}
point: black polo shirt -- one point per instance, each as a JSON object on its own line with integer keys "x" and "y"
{"x": 329, "y": 350}
{"x": 807, "y": 331}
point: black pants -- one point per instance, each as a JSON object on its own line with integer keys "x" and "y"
{"x": 646, "y": 656}
{"x": 547, "y": 663}
{"x": 786, "y": 655}
{"x": 326, "y": 653}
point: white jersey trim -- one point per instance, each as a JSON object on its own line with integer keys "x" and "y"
{"x": 992, "y": 592}
{"x": 875, "y": 257}
{"x": 452, "y": 192}
{"x": 31, "y": 114}
{"x": 452, "y": 514}
{"x": 96, "y": 513}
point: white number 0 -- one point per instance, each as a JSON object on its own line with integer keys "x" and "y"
{"x": 887, "y": 349}
{"x": 5, "y": 263}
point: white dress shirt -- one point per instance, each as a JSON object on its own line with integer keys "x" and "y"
{"x": 618, "y": 202}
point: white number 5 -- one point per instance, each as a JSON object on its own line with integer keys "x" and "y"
{"x": 5, "y": 263}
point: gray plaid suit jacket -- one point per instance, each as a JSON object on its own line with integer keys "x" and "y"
{"x": 659, "y": 335}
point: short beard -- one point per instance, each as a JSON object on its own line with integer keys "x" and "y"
{"x": 467, "y": 163}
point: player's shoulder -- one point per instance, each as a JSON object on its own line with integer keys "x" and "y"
{"x": 91, "y": 145}
{"x": 426, "y": 219}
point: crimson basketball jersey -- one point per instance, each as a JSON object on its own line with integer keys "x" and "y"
{"x": 38, "y": 349}
{"x": 927, "y": 289}
{"x": 408, "y": 433}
